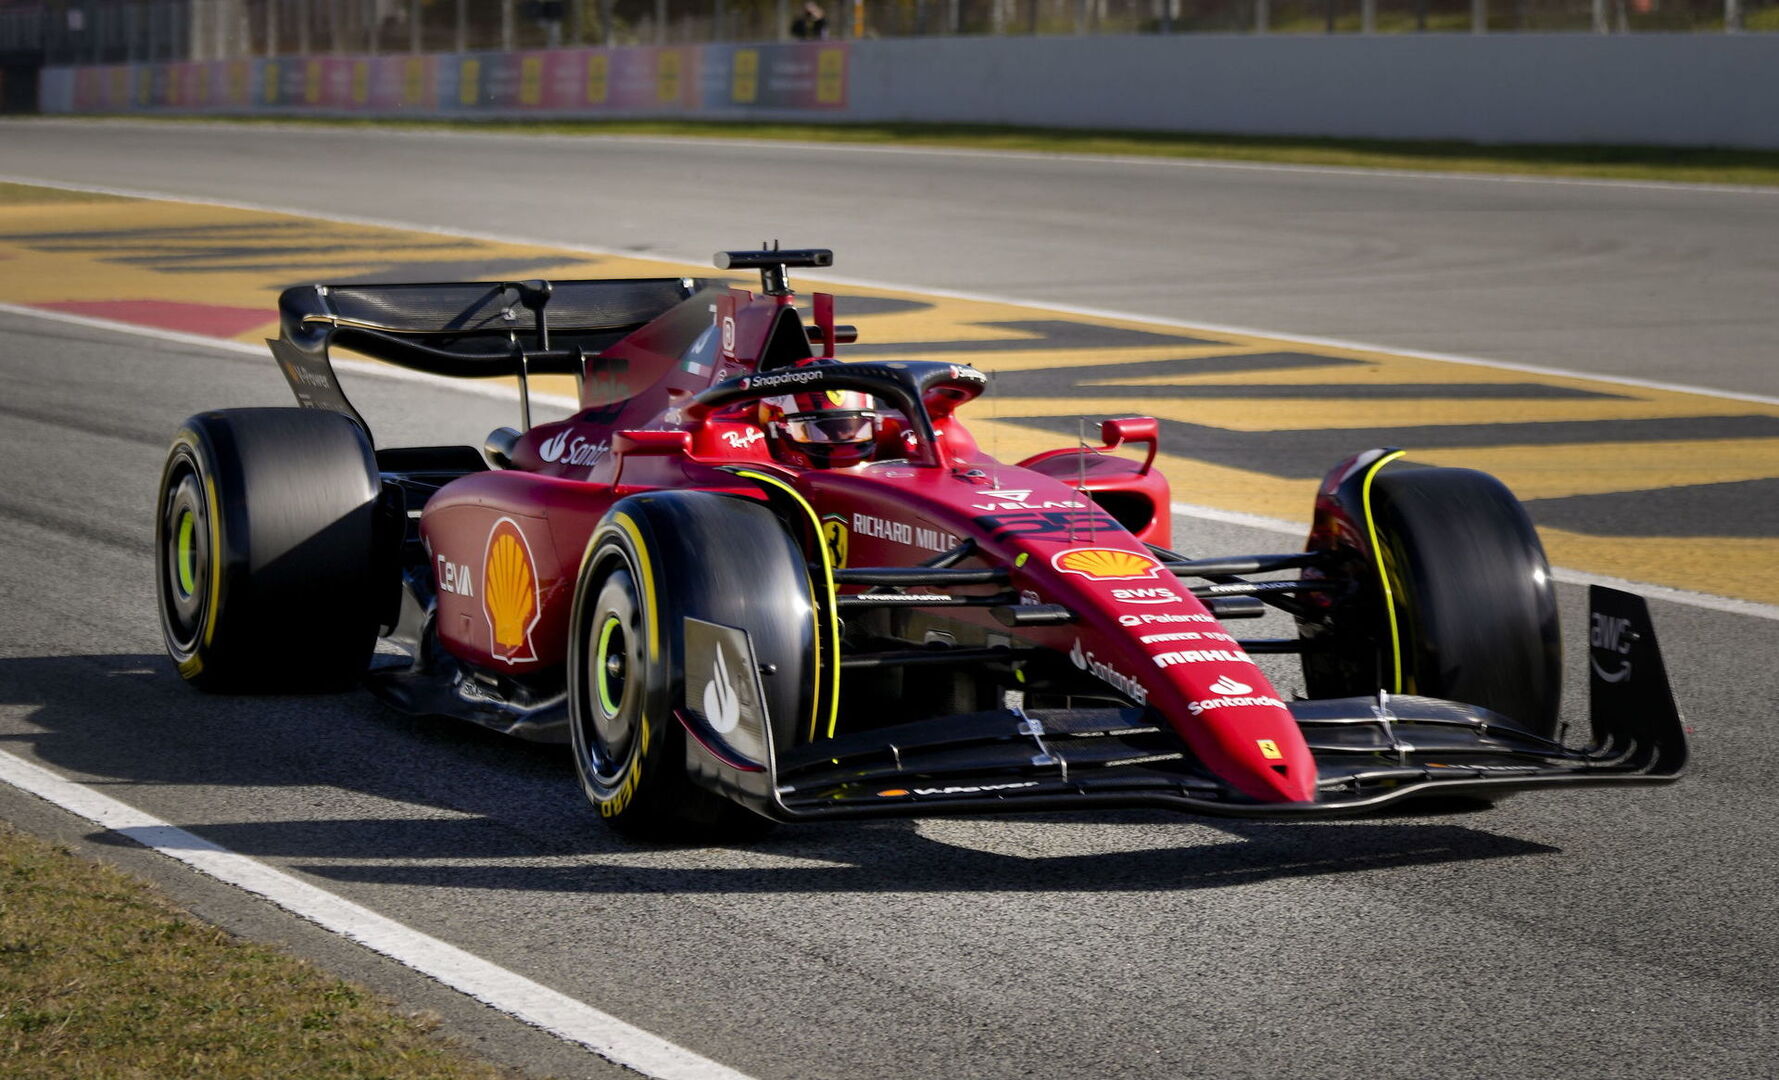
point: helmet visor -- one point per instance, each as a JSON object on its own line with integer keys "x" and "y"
{"x": 831, "y": 428}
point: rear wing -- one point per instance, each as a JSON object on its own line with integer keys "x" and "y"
{"x": 468, "y": 329}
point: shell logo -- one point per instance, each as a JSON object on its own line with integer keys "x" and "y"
{"x": 509, "y": 593}
{"x": 1105, "y": 564}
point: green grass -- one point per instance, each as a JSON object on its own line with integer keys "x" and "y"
{"x": 1611, "y": 162}
{"x": 103, "y": 978}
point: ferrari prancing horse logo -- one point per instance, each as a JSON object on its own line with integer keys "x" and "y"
{"x": 835, "y": 533}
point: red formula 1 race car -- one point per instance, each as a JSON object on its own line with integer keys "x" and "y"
{"x": 748, "y": 582}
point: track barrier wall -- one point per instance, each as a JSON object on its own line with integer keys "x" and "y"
{"x": 1649, "y": 89}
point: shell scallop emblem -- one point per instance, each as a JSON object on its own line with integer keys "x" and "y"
{"x": 1105, "y": 564}
{"x": 509, "y": 593}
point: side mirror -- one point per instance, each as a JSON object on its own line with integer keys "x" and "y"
{"x": 1132, "y": 429}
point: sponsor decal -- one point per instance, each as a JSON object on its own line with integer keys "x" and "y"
{"x": 968, "y": 374}
{"x": 1028, "y": 598}
{"x": 1234, "y": 694}
{"x": 509, "y": 592}
{"x": 1156, "y": 594}
{"x": 1206, "y": 656}
{"x": 1184, "y": 635}
{"x": 559, "y": 448}
{"x": 837, "y": 398}
{"x": 1108, "y": 674}
{"x": 1048, "y": 524}
{"x": 551, "y": 448}
{"x": 1150, "y": 620}
{"x": 741, "y": 440}
{"x": 454, "y": 578}
{"x": 838, "y": 539}
{"x": 900, "y": 532}
{"x": 955, "y": 789}
{"x": 302, "y": 375}
{"x": 721, "y": 707}
{"x": 1105, "y": 564}
{"x": 1020, "y": 499}
{"x": 1613, "y": 636}
{"x": 1146, "y": 759}
{"x": 729, "y": 337}
{"x": 888, "y": 599}
{"x": 783, "y": 378}
{"x": 1247, "y": 588}
{"x": 1269, "y": 750}
{"x": 722, "y": 687}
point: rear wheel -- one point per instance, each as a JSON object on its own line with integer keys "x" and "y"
{"x": 264, "y": 536}
{"x": 655, "y": 562}
{"x": 1456, "y": 603}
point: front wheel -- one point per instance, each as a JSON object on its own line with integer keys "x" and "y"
{"x": 667, "y": 575}
{"x": 1454, "y": 602}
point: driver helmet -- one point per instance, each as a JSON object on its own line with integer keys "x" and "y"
{"x": 826, "y": 429}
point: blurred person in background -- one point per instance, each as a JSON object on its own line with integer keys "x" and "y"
{"x": 812, "y": 25}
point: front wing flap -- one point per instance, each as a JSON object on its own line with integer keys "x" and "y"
{"x": 1370, "y": 752}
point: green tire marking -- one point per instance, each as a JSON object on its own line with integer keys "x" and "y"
{"x": 605, "y": 639}
{"x": 187, "y": 557}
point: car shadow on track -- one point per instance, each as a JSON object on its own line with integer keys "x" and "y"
{"x": 451, "y": 805}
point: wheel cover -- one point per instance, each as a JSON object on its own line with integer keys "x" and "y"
{"x": 185, "y": 557}
{"x": 615, "y": 680}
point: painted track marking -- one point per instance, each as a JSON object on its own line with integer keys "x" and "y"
{"x": 1666, "y": 594}
{"x": 1240, "y": 427}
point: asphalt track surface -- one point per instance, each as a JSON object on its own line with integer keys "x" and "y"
{"x": 1584, "y": 933}
{"x": 1666, "y": 283}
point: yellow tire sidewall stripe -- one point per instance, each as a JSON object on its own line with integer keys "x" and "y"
{"x": 1383, "y": 577}
{"x": 833, "y": 649}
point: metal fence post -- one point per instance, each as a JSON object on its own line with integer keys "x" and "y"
{"x": 1600, "y": 26}
{"x": 1368, "y": 16}
{"x": 1732, "y": 16}
{"x": 1479, "y": 16}
{"x": 508, "y": 30}
{"x": 1262, "y": 16}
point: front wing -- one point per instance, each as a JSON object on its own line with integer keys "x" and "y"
{"x": 1370, "y": 752}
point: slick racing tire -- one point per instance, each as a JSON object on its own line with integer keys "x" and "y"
{"x": 1457, "y": 604}
{"x": 665, "y": 572}
{"x": 264, "y": 537}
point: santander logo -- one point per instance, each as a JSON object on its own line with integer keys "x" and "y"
{"x": 578, "y": 451}
{"x": 551, "y": 448}
{"x": 1229, "y": 687}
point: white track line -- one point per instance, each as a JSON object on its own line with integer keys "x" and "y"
{"x": 804, "y": 145}
{"x": 1230, "y": 517}
{"x": 495, "y": 986}
{"x": 947, "y": 294}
